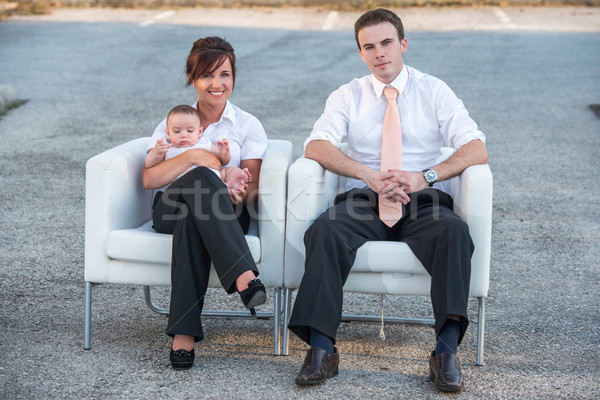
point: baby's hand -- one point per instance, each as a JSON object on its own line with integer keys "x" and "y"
{"x": 157, "y": 153}
{"x": 223, "y": 146}
{"x": 161, "y": 147}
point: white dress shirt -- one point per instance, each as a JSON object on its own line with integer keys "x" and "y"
{"x": 430, "y": 113}
{"x": 244, "y": 132}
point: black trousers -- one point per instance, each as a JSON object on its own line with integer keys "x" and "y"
{"x": 437, "y": 237}
{"x": 197, "y": 210}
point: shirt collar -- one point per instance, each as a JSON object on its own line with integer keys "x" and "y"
{"x": 398, "y": 83}
{"x": 228, "y": 112}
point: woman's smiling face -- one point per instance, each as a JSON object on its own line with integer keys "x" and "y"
{"x": 214, "y": 88}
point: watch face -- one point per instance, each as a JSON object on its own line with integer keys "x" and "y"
{"x": 430, "y": 176}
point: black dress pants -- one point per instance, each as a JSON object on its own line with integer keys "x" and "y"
{"x": 437, "y": 237}
{"x": 197, "y": 210}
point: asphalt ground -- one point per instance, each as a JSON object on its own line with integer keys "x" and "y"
{"x": 93, "y": 82}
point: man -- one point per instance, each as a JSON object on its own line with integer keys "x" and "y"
{"x": 431, "y": 116}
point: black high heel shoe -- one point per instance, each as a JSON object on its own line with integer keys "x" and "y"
{"x": 182, "y": 359}
{"x": 254, "y": 295}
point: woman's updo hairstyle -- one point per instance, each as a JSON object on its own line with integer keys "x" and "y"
{"x": 207, "y": 55}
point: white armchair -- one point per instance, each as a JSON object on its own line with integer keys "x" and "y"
{"x": 387, "y": 267}
{"x": 121, "y": 246}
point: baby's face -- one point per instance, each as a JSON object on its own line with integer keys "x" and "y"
{"x": 183, "y": 129}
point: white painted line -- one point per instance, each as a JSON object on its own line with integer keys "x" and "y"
{"x": 329, "y": 21}
{"x": 501, "y": 15}
{"x": 156, "y": 18}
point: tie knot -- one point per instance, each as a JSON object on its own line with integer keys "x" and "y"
{"x": 390, "y": 93}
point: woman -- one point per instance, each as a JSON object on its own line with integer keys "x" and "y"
{"x": 208, "y": 223}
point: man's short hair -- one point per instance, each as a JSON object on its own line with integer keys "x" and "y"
{"x": 375, "y": 17}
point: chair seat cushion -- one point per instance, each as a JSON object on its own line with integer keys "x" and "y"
{"x": 144, "y": 244}
{"x": 381, "y": 256}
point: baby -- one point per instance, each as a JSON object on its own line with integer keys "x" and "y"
{"x": 185, "y": 132}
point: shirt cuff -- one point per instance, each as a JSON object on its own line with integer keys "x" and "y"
{"x": 464, "y": 139}
{"x": 321, "y": 136}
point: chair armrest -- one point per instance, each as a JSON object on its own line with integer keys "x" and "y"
{"x": 114, "y": 199}
{"x": 472, "y": 192}
{"x": 311, "y": 190}
{"x": 272, "y": 195}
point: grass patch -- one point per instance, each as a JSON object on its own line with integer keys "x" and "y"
{"x": 15, "y": 104}
{"x": 24, "y": 7}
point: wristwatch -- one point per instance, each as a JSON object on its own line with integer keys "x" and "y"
{"x": 430, "y": 176}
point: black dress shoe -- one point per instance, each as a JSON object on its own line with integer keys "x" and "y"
{"x": 254, "y": 295}
{"x": 182, "y": 359}
{"x": 318, "y": 366}
{"x": 445, "y": 372}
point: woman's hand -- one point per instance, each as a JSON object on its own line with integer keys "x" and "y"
{"x": 202, "y": 158}
{"x": 236, "y": 196}
{"x": 167, "y": 171}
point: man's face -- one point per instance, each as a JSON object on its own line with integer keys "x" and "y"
{"x": 382, "y": 51}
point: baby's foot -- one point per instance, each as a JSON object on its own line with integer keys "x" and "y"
{"x": 238, "y": 180}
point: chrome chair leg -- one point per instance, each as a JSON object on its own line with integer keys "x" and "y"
{"x": 277, "y": 322}
{"x": 87, "y": 321}
{"x": 287, "y": 308}
{"x": 480, "y": 331}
